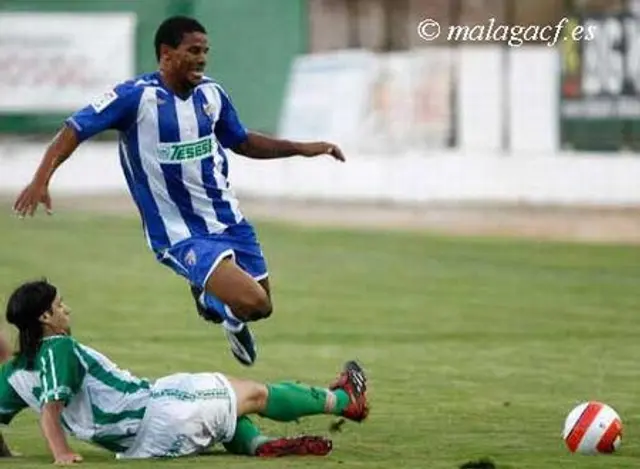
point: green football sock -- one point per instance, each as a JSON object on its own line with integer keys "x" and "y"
{"x": 289, "y": 401}
{"x": 246, "y": 439}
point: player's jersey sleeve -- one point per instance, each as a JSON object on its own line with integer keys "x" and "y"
{"x": 229, "y": 130}
{"x": 10, "y": 402}
{"x": 116, "y": 109}
{"x": 61, "y": 372}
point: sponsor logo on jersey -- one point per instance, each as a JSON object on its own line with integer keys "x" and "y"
{"x": 102, "y": 102}
{"x": 185, "y": 151}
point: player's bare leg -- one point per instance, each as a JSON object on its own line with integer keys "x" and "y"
{"x": 237, "y": 298}
{"x": 246, "y": 298}
{"x": 264, "y": 283}
{"x": 215, "y": 316}
{"x": 288, "y": 401}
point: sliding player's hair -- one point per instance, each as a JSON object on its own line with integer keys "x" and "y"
{"x": 25, "y": 306}
{"x": 171, "y": 31}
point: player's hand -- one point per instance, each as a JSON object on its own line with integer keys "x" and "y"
{"x": 322, "y": 148}
{"x": 32, "y": 195}
{"x": 67, "y": 458}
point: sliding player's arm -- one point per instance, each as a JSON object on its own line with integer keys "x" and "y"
{"x": 113, "y": 110}
{"x": 54, "y": 434}
{"x": 61, "y": 375}
{"x": 11, "y": 404}
{"x": 232, "y": 134}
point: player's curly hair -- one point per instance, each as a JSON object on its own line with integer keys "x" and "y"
{"x": 25, "y": 306}
{"x": 172, "y": 30}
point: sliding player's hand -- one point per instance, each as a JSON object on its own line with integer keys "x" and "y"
{"x": 32, "y": 195}
{"x": 68, "y": 458}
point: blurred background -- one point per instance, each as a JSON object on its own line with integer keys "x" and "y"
{"x": 476, "y": 346}
{"x": 472, "y": 120}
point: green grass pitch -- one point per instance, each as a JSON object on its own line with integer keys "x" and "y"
{"x": 475, "y": 347}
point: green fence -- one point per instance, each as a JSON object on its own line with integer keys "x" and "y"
{"x": 253, "y": 43}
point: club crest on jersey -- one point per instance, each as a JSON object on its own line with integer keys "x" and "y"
{"x": 185, "y": 151}
{"x": 209, "y": 109}
{"x": 190, "y": 258}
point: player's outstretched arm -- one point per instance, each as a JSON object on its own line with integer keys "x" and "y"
{"x": 53, "y": 433}
{"x": 37, "y": 191}
{"x": 260, "y": 146}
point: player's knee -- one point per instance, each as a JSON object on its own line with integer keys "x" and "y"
{"x": 251, "y": 396}
{"x": 256, "y": 305}
{"x": 254, "y": 400}
{"x": 266, "y": 309}
{"x": 269, "y": 311}
{"x": 261, "y": 308}
{"x": 260, "y": 395}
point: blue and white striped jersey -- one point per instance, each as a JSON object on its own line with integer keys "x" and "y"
{"x": 172, "y": 154}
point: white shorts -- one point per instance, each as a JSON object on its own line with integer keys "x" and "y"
{"x": 186, "y": 414}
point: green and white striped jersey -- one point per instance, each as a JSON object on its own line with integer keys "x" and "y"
{"x": 19, "y": 388}
{"x": 103, "y": 404}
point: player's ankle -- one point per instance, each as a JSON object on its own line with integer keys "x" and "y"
{"x": 337, "y": 402}
{"x": 233, "y": 326}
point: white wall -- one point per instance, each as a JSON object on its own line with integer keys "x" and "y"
{"x": 480, "y": 106}
{"x": 540, "y": 178}
{"x": 508, "y": 98}
{"x": 534, "y": 78}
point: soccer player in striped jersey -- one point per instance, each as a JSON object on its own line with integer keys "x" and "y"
{"x": 175, "y": 126}
{"x": 5, "y": 355}
{"x": 79, "y": 391}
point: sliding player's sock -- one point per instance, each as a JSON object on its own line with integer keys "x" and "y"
{"x": 246, "y": 439}
{"x": 289, "y": 401}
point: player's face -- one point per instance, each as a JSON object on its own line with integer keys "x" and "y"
{"x": 57, "y": 319}
{"x": 189, "y": 59}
